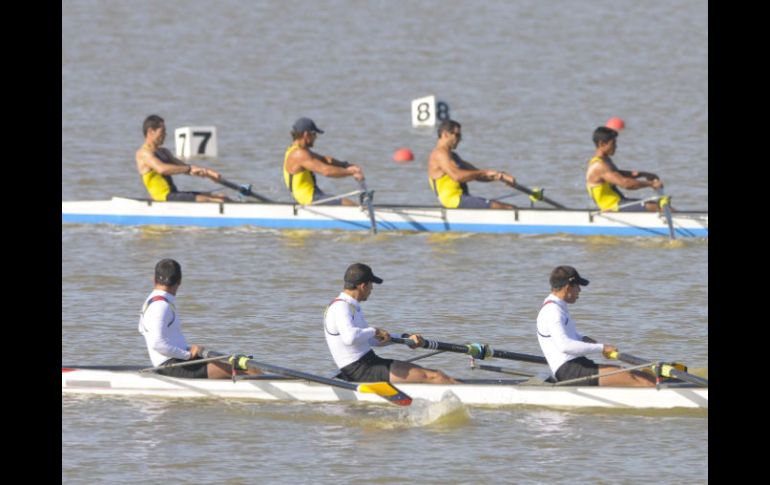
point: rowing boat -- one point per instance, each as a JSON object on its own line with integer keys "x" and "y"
{"x": 128, "y": 211}
{"x": 129, "y": 381}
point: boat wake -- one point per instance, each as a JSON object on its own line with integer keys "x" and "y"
{"x": 450, "y": 412}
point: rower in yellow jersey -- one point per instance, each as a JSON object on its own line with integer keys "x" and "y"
{"x": 448, "y": 174}
{"x": 602, "y": 177}
{"x": 300, "y": 164}
{"x": 156, "y": 164}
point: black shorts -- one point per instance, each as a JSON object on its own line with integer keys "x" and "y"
{"x": 369, "y": 368}
{"x": 579, "y": 367}
{"x": 192, "y": 371}
{"x": 181, "y": 196}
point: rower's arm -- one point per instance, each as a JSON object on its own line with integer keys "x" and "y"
{"x": 325, "y": 165}
{"x": 554, "y": 326}
{"x": 156, "y": 321}
{"x": 174, "y": 167}
{"x": 341, "y": 320}
{"x": 616, "y": 177}
{"x": 466, "y": 174}
{"x": 637, "y": 174}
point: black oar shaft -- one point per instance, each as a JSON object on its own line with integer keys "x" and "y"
{"x": 243, "y": 189}
{"x": 529, "y": 191}
{"x": 467, "y": 349}
{"x": 504, "y": 354}
{"x": 675, "y": 373}
{"x": 433, "y": 345}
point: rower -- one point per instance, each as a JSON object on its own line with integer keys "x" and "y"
{"x": 603, "y": 177}
{"x": 448, "y": 174}
{"x": 350, "y": 338}
{"x": 300, "y": 165}
{"x": 565, "y": 349}
{"x": 157, "y": 164}
{"x": 161, "y": 327}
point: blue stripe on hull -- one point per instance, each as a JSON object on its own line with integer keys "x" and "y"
{"x": 364, "y": 225}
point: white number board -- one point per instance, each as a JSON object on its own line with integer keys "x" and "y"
{"x": 427, "y": 111}
{"x": 196, "y": 142}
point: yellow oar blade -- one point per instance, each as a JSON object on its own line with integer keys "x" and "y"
{"x": 386, "y": 391}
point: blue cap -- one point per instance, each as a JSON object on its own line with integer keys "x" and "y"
{"x": 305, "y": 124}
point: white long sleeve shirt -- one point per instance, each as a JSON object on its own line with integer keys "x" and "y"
{"x": 162, "y": 330}
{"x": 558, "y": 337}
{"x": 348, "y": 335}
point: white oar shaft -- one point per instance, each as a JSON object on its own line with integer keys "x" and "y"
{"x": 329, "y": 199}
{"x": 622, "y": 206}
{"x": 587, "y": 378}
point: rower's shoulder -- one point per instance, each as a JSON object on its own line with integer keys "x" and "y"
{"x": 440, "y": 153}
{"x": 599, "y": 164}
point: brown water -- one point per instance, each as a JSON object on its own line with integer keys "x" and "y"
{"x": 529, "y": 81}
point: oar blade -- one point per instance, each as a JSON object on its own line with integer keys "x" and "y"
{"x": 386, "y": 391}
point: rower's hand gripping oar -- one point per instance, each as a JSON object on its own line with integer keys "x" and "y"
{"x": 536, "y": 195}
{"x": 383, "y": 389}
{"x": 475, "y": 350}
{"x": 244, "y": 189}
{"x": 366, "y": 197}
{"x": 662, "y": 369}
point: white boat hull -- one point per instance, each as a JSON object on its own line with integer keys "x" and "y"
{"x": 126, "y": 211}
{"x": 481, "y": 392}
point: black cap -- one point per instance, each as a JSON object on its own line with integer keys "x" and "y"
{"x": 358, "y": 273}
{"x": 305, "y": 124}
{"x": 562, "y": 275}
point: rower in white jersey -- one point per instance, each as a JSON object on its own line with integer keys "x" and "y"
{"x": 351, "y": 339}
{"x": 565, "y": 349}
{"x": 161, "y": 327}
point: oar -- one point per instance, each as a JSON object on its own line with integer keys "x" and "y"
{"x": 478, "y": 351}
{"x": 369, "y": 206}
{"x": 537, "y": 195}
{"x": 665, "y": 203}
{"x": 666, "y": 370}
{"x": 244, "y": 189}
{"x": 383, "y": 389}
